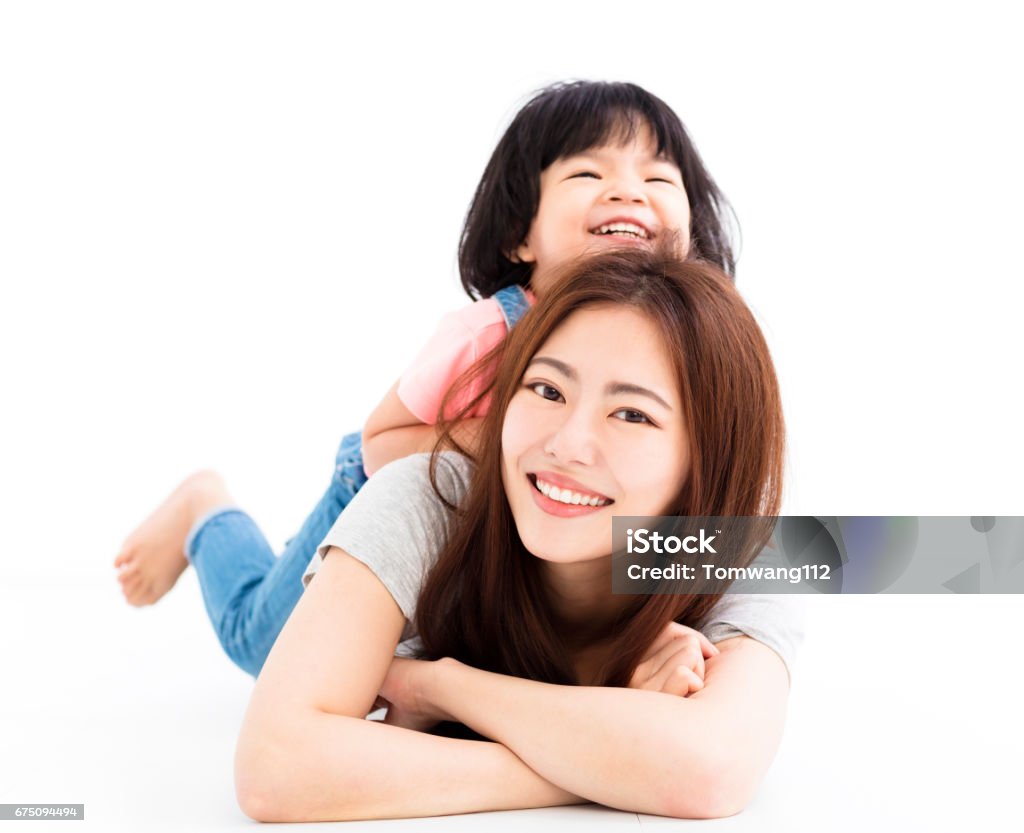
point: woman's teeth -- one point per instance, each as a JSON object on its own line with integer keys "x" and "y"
{"x": 569, "y": 496}
{"x": 623, "y": 228}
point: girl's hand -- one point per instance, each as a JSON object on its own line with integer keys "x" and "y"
{"x": 404, "y": 693}
{"x": 675, "y": 662}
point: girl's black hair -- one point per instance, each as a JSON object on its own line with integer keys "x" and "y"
{"x": 562, "y": 120}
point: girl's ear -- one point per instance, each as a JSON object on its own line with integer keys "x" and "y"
{"x": 522, "y": 253}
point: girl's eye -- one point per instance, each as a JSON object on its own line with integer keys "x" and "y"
{"x": 629, "y": 415}
{"x": 545, "y": 391}
{"x": 661, "y": 179}
{"x": 589, "y": 174}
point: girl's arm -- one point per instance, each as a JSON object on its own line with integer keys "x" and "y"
{"x": 643, "y": 751}
{"x": 393, "y": 432}
{"x": 306, "y": 753}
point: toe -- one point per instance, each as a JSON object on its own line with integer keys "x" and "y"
{"x": 126, "y": 556}
{"x": 144, "y": 595}
{"x": 129, "y": 573}
{"x": 130, "y": 585}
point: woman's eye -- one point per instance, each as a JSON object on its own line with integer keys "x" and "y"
{"x": 629, "y": 415}
{"x": 545, "y": 391}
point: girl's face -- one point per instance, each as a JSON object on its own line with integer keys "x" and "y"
{"x": 595, "y": 429}
{"x": 605, "y": 197}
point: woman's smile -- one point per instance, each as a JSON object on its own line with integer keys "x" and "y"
{"x": 563, "y": 497}
{"x": 596, "y": 428}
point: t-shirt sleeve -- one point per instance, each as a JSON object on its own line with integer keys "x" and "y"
{"x": 397, "y": 525}
{"x": 773, "y": 619}
{"x": 451, "y": 351}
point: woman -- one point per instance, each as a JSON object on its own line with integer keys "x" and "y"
{"x": 642, "y": 386}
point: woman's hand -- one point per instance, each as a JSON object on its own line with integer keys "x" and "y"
{"x": 674, "y": 663}
{"x": 405, "y": 694}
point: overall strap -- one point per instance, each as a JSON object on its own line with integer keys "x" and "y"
{"x": 513, "y": 303}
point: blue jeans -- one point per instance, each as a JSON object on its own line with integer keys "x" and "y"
{"x": 248, "y": 591}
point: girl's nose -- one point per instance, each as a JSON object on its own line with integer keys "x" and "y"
{"x": 626, "y": 189}
{"x": 574, "y": 440}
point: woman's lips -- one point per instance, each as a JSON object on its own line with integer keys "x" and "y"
{"x": 557, "y": 507}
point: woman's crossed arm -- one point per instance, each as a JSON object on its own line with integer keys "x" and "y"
{"x": 306, "y": 753}
{"x": 702, "y": 756}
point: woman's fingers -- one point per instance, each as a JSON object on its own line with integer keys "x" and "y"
{"x": 677, "y": 679}
{"x": 676, "y": 645}
{"x": 664, "y": 638}
{"x": 707, "y": 647}
{"x": 683, "y": 650}
{"x": 672, "y": 631}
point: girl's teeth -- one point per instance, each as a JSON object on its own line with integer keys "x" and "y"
{"x": 623, "y": 228}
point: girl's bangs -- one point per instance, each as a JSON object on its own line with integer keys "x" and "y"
{"x": 600, "y": 117}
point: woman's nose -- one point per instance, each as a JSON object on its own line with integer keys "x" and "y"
{"x": 574, "y": 440}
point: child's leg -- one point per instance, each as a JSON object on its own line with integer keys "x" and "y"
{"x": 249, "y": 593}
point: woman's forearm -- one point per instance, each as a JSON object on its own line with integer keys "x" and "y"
{"x": 635, "y": 750}
{"x": 316, "y": 766}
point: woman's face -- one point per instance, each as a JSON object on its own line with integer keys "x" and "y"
{"x": 596, "y": 429}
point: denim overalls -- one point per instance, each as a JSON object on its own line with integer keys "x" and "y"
{"x": 248, "y": 592}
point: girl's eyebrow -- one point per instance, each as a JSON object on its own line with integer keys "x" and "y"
{"x": 612, "y": 388}
{"x": 597, "y": 154}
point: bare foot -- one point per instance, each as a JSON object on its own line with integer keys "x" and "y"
{"x": 153, "y": 556}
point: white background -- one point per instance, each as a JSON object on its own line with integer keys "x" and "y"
{"x": 226, "y": 227}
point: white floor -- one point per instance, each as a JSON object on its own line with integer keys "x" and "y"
{"x": 905, "y": 715}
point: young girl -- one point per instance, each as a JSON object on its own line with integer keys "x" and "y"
{"x": 640, "y": 386}
{"x": 583, "y": 167}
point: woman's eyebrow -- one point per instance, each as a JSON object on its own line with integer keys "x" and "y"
{"x": 617, "y": 388}
{"x": 561, "y": 367}
{"x": 612, "y": 388}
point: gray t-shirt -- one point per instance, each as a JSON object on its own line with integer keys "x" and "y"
{"x": 396, "y": 525}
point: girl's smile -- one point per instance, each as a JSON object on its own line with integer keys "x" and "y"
{"x": 606, "y": 197}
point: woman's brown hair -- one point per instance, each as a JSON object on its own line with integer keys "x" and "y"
{"x": 483, "y": 603}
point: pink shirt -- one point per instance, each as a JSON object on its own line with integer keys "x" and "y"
{"x": 462, "y": 337}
